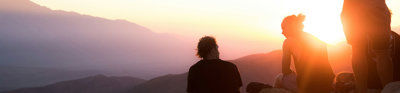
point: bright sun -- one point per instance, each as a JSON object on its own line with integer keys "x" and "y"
{"x": 322, "y": 18}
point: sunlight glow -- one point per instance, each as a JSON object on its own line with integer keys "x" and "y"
{"x": 322, "y": 18}
{"x": 242, "y": 19}
{"x": 243, "y": 26}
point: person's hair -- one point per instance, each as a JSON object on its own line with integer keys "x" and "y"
{"x": 205, "y": 45}
{"x": 293, "y": 22}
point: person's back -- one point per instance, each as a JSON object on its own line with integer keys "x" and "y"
{"x": 214, "y": 76}
{"x": 309, "y": 53}
{"x": 211, "y": 74}
{"x": 311, "y": 61}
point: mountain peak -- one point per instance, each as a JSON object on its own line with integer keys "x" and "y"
{"x": 99, "y": 76}
{"x": 21, "y": 6}
{"x": 396, "y": 28}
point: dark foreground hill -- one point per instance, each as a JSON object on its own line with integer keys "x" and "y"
{"x": 93, "y": 84}
{"x": 14, "y": 77}
{"x": 164, "y": 84}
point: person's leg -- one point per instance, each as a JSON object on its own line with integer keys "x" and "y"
{"x": 360, "y": 67}
{"x": 373, "y": 76}
{"x": 318, "y": 84}
{"x": 380, "y": 46}
{"x": 384, "y": 66}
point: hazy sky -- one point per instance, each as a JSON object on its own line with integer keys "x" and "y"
{"x": 254, "y": 23}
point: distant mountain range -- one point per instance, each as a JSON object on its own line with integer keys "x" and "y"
{"x": 396, "y": 29}
{"x": 13, "y": 77}
{"x": 253, "y": 68}
{"x": 93, "y": 84}
{"x": 259, "y": 67}
{"x": 40, "y": 46}
{"x": 33, "y": 37}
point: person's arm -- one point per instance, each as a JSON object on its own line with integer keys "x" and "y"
{"x": 236, "y": 78}
{"x": 191, "y": 82}
{"x": 286, "y": 58}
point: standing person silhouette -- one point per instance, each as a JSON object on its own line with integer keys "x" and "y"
{"x": 314, "y": 72}
{"x": 366, "y": 24}
{"x": 211, "y": 74}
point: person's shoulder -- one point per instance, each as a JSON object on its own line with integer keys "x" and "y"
{"x": 290, "y": 41}
{"x": 286, "y": 42}
{"x": 394, "y": 34}
{"x": 313, "y": 39}
{"x": 309, "y": 36}
{"x": 228, "y": 63}
{"x": 196, "y": 65}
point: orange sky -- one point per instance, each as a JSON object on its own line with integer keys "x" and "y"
{"x": 252, "y": 26}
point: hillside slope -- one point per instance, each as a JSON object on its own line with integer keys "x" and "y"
{"x": 93, "y": 84}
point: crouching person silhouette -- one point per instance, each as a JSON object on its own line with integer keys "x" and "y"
{"x": 211, "y": 74}
{"x": 314, "y": 73}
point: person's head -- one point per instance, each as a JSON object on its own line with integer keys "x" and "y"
{"x": 207, "y": 48}
{"x": 345, "y": 82}
{"x": 365, "y": 16}
{"x": 292, "y": 25}
{"x": 345, "y": 77}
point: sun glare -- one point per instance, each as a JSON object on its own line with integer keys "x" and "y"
{"x": 322, "y": 18}
{"x": 326, "y": 28}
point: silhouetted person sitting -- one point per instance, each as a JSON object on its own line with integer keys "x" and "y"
{"x": 211, "y": 74}
{"x": 366, "y": 24}
{"x": 314, "y": 72}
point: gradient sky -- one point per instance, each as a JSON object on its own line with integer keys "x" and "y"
{"x": 255, "y": 23}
